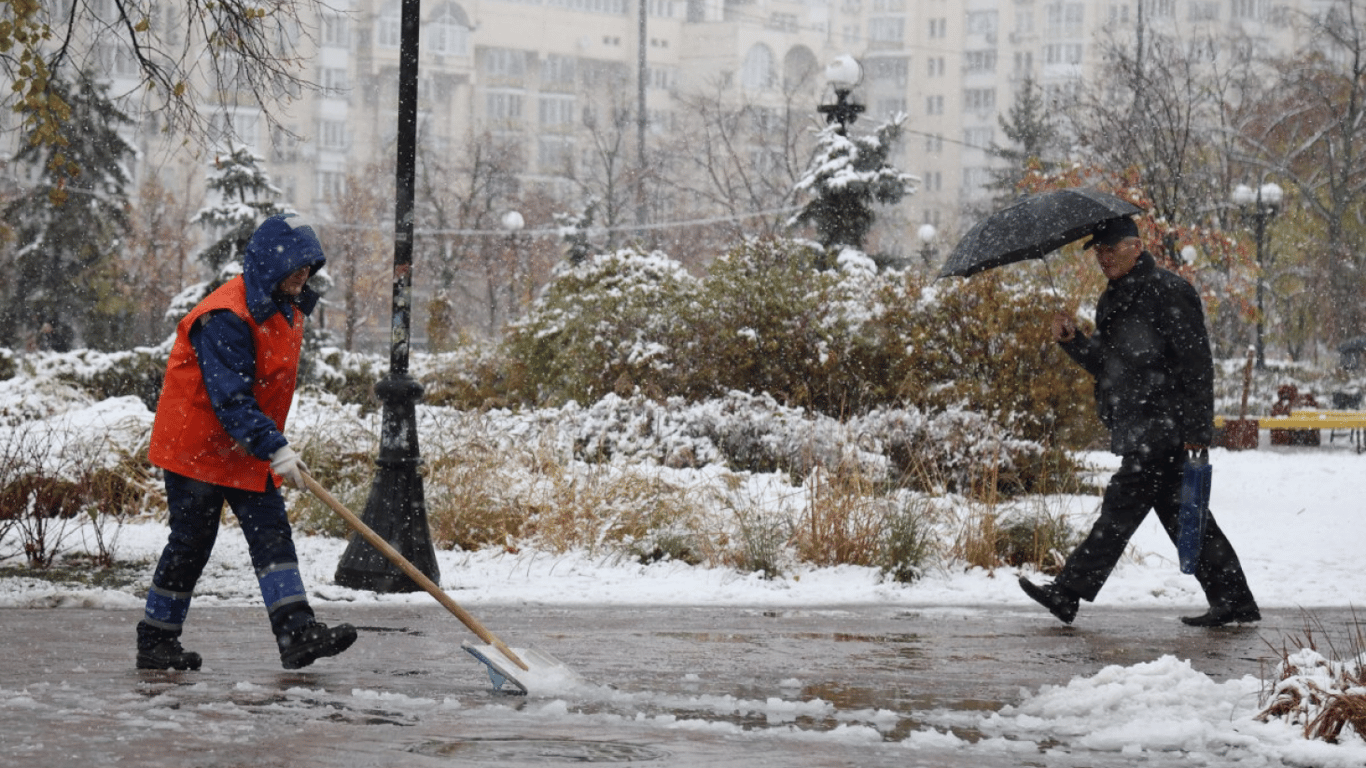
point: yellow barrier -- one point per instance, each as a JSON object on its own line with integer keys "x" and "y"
{"x": 1351, "y": 422}
{"x": 1307, "y": 419}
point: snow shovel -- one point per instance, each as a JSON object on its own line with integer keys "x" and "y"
{"x": 1196, "y": 476}
{"x": 544, "y": 672}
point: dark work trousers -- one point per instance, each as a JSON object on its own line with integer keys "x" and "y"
{"x": 195, "y": 509}
{"x": 1144, "y": 482}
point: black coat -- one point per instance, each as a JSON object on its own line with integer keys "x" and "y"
{"x": 1151, "y": 360}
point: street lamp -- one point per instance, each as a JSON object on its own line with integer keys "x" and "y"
{"x": 512, "y": 224}
{"x": 843, "y": 74}
{"x": 927, "y": 233}
{"x": 396, "y": 508}
{"x": 1260, "y": 205}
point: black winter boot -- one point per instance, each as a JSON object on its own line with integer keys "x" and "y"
{"x": 1059, "y": 602}
{"x": 168, "y": 655}
{"x": 314, "y": 641}
{"x": 159, "y": 648}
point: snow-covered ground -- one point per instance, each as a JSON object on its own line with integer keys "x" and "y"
{"x": 1293, "y": 514}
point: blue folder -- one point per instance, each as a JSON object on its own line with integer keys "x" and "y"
{"x": 1195, "y": 485}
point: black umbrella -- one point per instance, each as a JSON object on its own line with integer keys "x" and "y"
{"x": 1033, "y": 227}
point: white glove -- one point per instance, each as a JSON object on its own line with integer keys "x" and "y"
{"x": 287, "y": 464}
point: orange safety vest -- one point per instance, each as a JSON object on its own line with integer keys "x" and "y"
{"x": 187, "y": 437}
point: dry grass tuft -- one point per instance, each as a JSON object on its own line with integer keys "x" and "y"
{"x": 1326, "y": 696}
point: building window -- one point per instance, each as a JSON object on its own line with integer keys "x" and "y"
{"x": 332, "y": 134}
{"x": 1204, "y": 10}
{"x": 118, "y": 60}
{"x": 939, "y": 28}
{"x": 982, "y": 22}
{"x": 1161, "y": 9}
{"x": 331, "y": 185}
{"x": 448, "y": 31}
{"x": 504, "y": 106}
{"x": 333, "y": 82}
{"x": 934, "y": 105}
{"x": 388, "y": 28}
{"x": 554, "y": 154}
{"x": 976, "y": 179}
{"x": 557, "y": 70}
{"x": 887, "y": 29}
{"x": 504, "y": 62}
{"x": 758, "y": 73}
{"x": 284, "y": 145}
{"x": 1062, "y": 53}
{"x": 335, "y": 31}
{"x": 1064, "y": 19}
{"x": 980, "y": 61}
{"x": 890, "y": 70}
{"x": 979, "y": 138}
{"x": 557, "y": 111}
{"x": 661, "y": 78}
{"x": 235, "y": 129}
{"x": 935, "y": 65}
{"x": 979, "y": 99}
{"x": 616, "y": 7}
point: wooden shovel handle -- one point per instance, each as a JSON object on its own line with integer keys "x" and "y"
{"x": 408, "y": 568}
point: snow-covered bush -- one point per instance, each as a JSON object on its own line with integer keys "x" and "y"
{"x": 99, "y": 375}
{"x": 600, "y": 326}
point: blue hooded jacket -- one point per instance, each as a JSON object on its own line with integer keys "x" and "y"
{"x": 223, "y": 342}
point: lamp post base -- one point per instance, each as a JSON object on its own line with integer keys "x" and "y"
{"x": 397, "y": 512}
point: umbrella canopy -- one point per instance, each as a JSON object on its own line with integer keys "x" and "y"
{"x": 1033, "y": 227}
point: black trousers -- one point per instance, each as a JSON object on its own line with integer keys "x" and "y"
{"x": 1144, "y": 482}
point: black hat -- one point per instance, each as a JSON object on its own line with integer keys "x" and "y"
{"x": 1111, "y": 231}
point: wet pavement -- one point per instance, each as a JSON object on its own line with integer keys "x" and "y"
{"x": 671, "y": 686}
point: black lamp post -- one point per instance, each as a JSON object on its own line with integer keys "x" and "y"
{"x": 1259, "y": 205}
{"x": 843, "y": 74}
{"x": 396, "y": 508}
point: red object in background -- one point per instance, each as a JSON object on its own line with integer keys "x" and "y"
{"x": 1288, "y": 398}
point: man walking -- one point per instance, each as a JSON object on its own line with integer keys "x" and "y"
{"x": 1154, "y": 387}
{"x": 218, "y": 436}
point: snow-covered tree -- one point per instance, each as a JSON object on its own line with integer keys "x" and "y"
{"x": 846, "y": 177}
{"x": 245, "y": 197}
{"x": 574, "y": 230}
{"x": 61, "y": 288}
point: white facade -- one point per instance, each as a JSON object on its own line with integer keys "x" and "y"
{"x": 537, "y": 71}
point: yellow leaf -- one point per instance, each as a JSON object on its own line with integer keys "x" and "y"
{"x": 143, "y": 25}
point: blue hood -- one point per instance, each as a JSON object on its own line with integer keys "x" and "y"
{"x": 282, "y": 244}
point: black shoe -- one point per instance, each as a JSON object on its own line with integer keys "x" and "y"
{"x": 313, "y": 641}
{"x": 1219, "y": 615}
{"x": 1057, "y": 600}
{"x": 168, "y": 654}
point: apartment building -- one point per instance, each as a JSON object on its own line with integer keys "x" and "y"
{"x": 546, "y": 74}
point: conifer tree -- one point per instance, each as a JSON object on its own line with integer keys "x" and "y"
{"x": 1033, "y": 138}
{"x": 245, "y": 198}
{"x": 62, "y": 289}
{"x": 847, "y": 176}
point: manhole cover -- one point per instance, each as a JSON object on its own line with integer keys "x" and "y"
{"x": 540, "y": 750}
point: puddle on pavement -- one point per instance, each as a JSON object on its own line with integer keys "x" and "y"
{"x": 539, "y": 751}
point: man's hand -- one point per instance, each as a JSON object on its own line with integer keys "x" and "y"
{"x": 287, "y": 464}
{"x": 1064, "y": 329}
